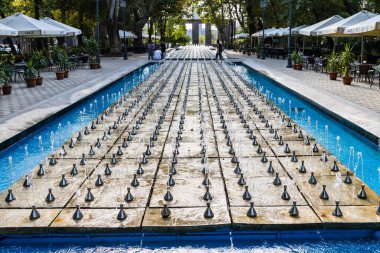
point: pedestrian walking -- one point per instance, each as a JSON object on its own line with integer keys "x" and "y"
{"x": 219, "y": 50}
{"x": 151, "y": 48}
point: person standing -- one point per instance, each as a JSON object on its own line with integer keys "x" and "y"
{"x": 163, "y": 50}
{"x": 219, "y": 50}
{"x": 151, "y": 48}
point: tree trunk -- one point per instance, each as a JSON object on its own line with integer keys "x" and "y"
{"x": 348, "y": 7}
{"x": 113, "y": 37}
{"x": 150, "y": 30}
{"x": 138, "y": 27}
{"x": 113, "y": 27}
{"x": 250, "y": 17}
{"x": 37, "y": 10}
{"x": 163, "y": 28}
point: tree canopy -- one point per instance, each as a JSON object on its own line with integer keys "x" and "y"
{"x": 167, "y": 17}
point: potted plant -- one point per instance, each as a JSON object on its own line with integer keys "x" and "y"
{"x": 297, "y": 60}
{"x": 65, "y": 64}
{"x": 293, "y": 56}
{"x": 57, "y": 55}
{"x": 30, "y": 74}
{"x": 92, "y": 48}
{"x": 39, "y": 62}
{"x": 332, "y": 66}
{"x": 6, "y": 72}
{"x": 346, "y": 58}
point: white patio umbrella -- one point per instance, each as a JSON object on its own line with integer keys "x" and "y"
{"x": 312, "y": 30}
{"x": 266, "y": 32}
{"x": 7, "y": 31}
{"x": 241, "y": 36}
{"x": 128, "y": 35}
{"x": 30, "y": 27}
{"x": 369, "y": 27}
{"x": 337, "y": 29}
{"x": 69, "y": 30}
{"x": 146, "y": 36}
{"x": 296, "y": 30}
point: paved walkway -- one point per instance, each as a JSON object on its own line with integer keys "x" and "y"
{"x": 359, "y": 93}
{"x": 27, "y": 106}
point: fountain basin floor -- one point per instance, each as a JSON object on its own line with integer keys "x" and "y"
{"x": 193, "y": 98}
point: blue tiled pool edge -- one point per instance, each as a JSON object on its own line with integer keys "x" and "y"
{"x": 14, "y": 139}
{"x": 362, "y": 133}
{"x": 353, "y": 234}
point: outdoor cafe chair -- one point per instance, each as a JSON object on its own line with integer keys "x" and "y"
{"x": 363, "y": 71}
{"x": 310, "y": 62}
{"x": 320, "y": 66}
{"x": 18, "y": 73}
{"x": 375, "y": 73}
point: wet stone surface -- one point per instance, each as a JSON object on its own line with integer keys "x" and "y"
{"x": 198, "y": 151}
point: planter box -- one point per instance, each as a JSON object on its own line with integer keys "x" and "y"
{"x": 60, "y": 75}
{"x": 7, "y": 89}
{"x": 39, "y": 81}
{"x": 31, "y": 83}
{"x": 347, "y": 80}
{"x": 333, "y": 75}
{"x": 94, "y": 65}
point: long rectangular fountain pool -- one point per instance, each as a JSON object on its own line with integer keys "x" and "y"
{"x": 17, "y": 159}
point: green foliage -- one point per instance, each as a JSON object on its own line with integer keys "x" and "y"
{"x": 63, "y": 61}
{"x": 333, "y": 63}
{"x": 92, "y": 48}
{"x": 346, "y": 58}
{"x": 30, "y": 71}
{"x": 39, "y": 60}
{"x": 8, "y": 58}
{"x": 60, "y": 56}
{"x": 296, "y": 57}
{"x": 6, "y": 72}
{"x": 56, "y": 53}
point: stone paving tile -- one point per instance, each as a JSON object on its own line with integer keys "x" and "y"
{"x": 359, "y": 92}
{"x": 23, "y": 97}
{"x": 27, "y": 106}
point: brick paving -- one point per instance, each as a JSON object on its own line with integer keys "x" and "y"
{"x": 27, "y": 106}
{"x": 359, "y": 93}
{"x": 23, "y": 97}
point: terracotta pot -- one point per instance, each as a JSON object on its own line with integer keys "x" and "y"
{"x": 347, "y": 80}
{"x": 299, "y": 66}
{"x": 294, "y": 66}
{"x": 66, "y": 74}
{"x": 7, "y": 89}
{"x": 39, "y": 80}
{"x": 333, "y": 75}
{"x": 31, "y": 83}
{"x": 258, "y": 56}
{"x": 94, "y": 66}
{"x": 60, "y": 75}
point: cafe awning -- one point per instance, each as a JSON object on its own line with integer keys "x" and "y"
{"x": 313, "y": 29}
{"x": 30, "y": 27}
{"x": 69, "y": 30}
{"x": 369, "y": 27}
{"x": 337, "y": 29}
